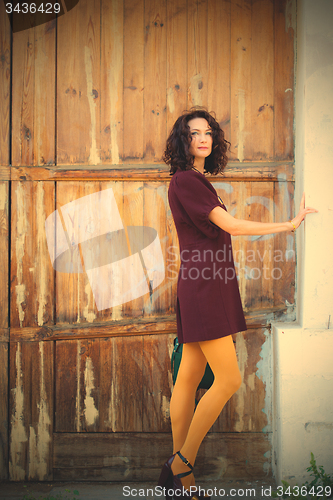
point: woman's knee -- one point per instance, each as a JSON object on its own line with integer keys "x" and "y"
{"x": 230, "y": 384}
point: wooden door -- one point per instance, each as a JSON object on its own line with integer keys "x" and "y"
{"x": 92, "y": 96}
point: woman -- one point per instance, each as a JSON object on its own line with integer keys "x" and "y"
{"x": 209, "y": 307}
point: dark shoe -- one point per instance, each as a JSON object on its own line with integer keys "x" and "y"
{"x": 173, "y": 482}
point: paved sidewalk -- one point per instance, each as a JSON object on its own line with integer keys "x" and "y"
{"x": 231, "y": 489}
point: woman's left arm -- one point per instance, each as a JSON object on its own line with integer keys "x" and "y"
{"x": 240, "y": 227}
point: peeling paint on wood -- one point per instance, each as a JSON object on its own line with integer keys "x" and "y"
{"x": 41, "y": 251}
{"x": 18, "y": 436}
{"x": 242, "y": 356}
{"x": 22, "y": 230}
{"x": 39, "y": 442}
{"x": 90, "y": 410}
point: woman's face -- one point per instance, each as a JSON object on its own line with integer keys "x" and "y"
{"x": 202, "y": 139}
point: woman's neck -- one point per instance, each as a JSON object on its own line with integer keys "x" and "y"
{"x": 199, "y": 165}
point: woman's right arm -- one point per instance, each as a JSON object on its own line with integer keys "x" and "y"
{"x": 239, "y": 227}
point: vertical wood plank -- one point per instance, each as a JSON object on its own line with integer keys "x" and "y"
{"x": 176, "y": 26}
{"x": 219, "y": 62}
{"x": 133, "y": 79}
{"x": 154, "y": 216}
{"x": 241, "y": 77}
{"x": 67, "y": 386}
{"x": 284, "y": 246}
{"x": 4, "y": 249}
{"x": 5, "y": 53}
{"x": 41, "y": 420}
{"x": 197, "y": 54}
{"x": 31, "y": 411}
{"x": 284, "y": 29}
{"x": 259, "y": 250}
{"x": 33, "y": 111}
{"x": 79, "y": 85}
{"x": 133, "y": 216}
{"x": 4, "y": 427}
{"x": 157, "y": 383}
{"x": 112, "y": 64}
{"x": 4, "y": 366}
{"x": 155, "y": 80}
{"x": 262, "y": 103}
{"x": 32, "y": 275}
{"x": 74, "y": 299}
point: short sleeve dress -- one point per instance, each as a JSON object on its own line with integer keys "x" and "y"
{"x": 208, "y": 300}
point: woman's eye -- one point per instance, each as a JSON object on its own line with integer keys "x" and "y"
{"x": 194, "y": 133}
{"x": 208, "y": 133}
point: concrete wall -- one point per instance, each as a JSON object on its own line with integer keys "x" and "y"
{"x": 303, "y": 351}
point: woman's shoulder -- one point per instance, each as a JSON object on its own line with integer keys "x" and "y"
{"x": 186, "y": 177}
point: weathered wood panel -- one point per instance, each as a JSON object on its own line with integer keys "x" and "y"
{"x": 176, "y": 26}
{"x": 197, "y": 55}
{"x": 284, "y": 246}
{"x": 240, "y": 61}
{"x": 218, "y": 57}
{"x": 79, "y": 85}
{"x": 155, "y": 80}
{"x": 32, "y": 275}
{"x": 133, "y": 79}
{"x": 4, "y": 316}
{"x": 33, "y": 96}
{"x": 140, "y": 456}
{"x": 99, "y": 385}
{"x": 249, "y": 410}
{"x": 4, "y": 367}
{"x": 284, "y": 29}
{"x": 31, "y": 411}
{"x": 5, "y": 55}
{"x": 262, "y": 80}
{"x": 261, "y": 171}
{"x": 111, "y": 96}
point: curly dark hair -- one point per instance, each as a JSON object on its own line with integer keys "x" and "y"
{"x": 177, "y": 154}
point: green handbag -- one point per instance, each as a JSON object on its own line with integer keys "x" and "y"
{"x": 176, "y": 357}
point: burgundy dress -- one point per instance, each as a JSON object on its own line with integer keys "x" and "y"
{"x": 208, "y": 299}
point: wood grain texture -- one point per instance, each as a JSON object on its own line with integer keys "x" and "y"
{"x": 31, "y": 411}
{"x": 262, "y": 99}
{"x": 259, "y": 171}
{"x": 140, "y": 456}
{"x": 284, "y": 29}
{"x": 5, "y": 55}
{"x": 218, "y": 69}
{"x": 176, "y": 63}
{"x": 155, "y": 80}
{"x": 197, "y": 54}
{"x": 79, "y": 85}
{"x": 33, "y": 96}
{"x": 112, "y": 68}
{"x": 133, "y": 80}
{"x": 4, "y": 253}
{"x": 92, "y": 395}
{"x": 32, "y": 275}
{"x": 241, "y": 80}
{"x": 4, "y": 372}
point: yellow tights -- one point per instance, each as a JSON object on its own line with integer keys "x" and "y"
{"x": 188, "y": 428}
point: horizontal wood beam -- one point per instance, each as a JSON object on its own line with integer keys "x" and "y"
{"x": 155, "y": 326}
{"x": 235, "y": 171}
{"x": 127, "y": 457}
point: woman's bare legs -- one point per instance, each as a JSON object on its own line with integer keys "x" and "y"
{"x": 221, "y": 356}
